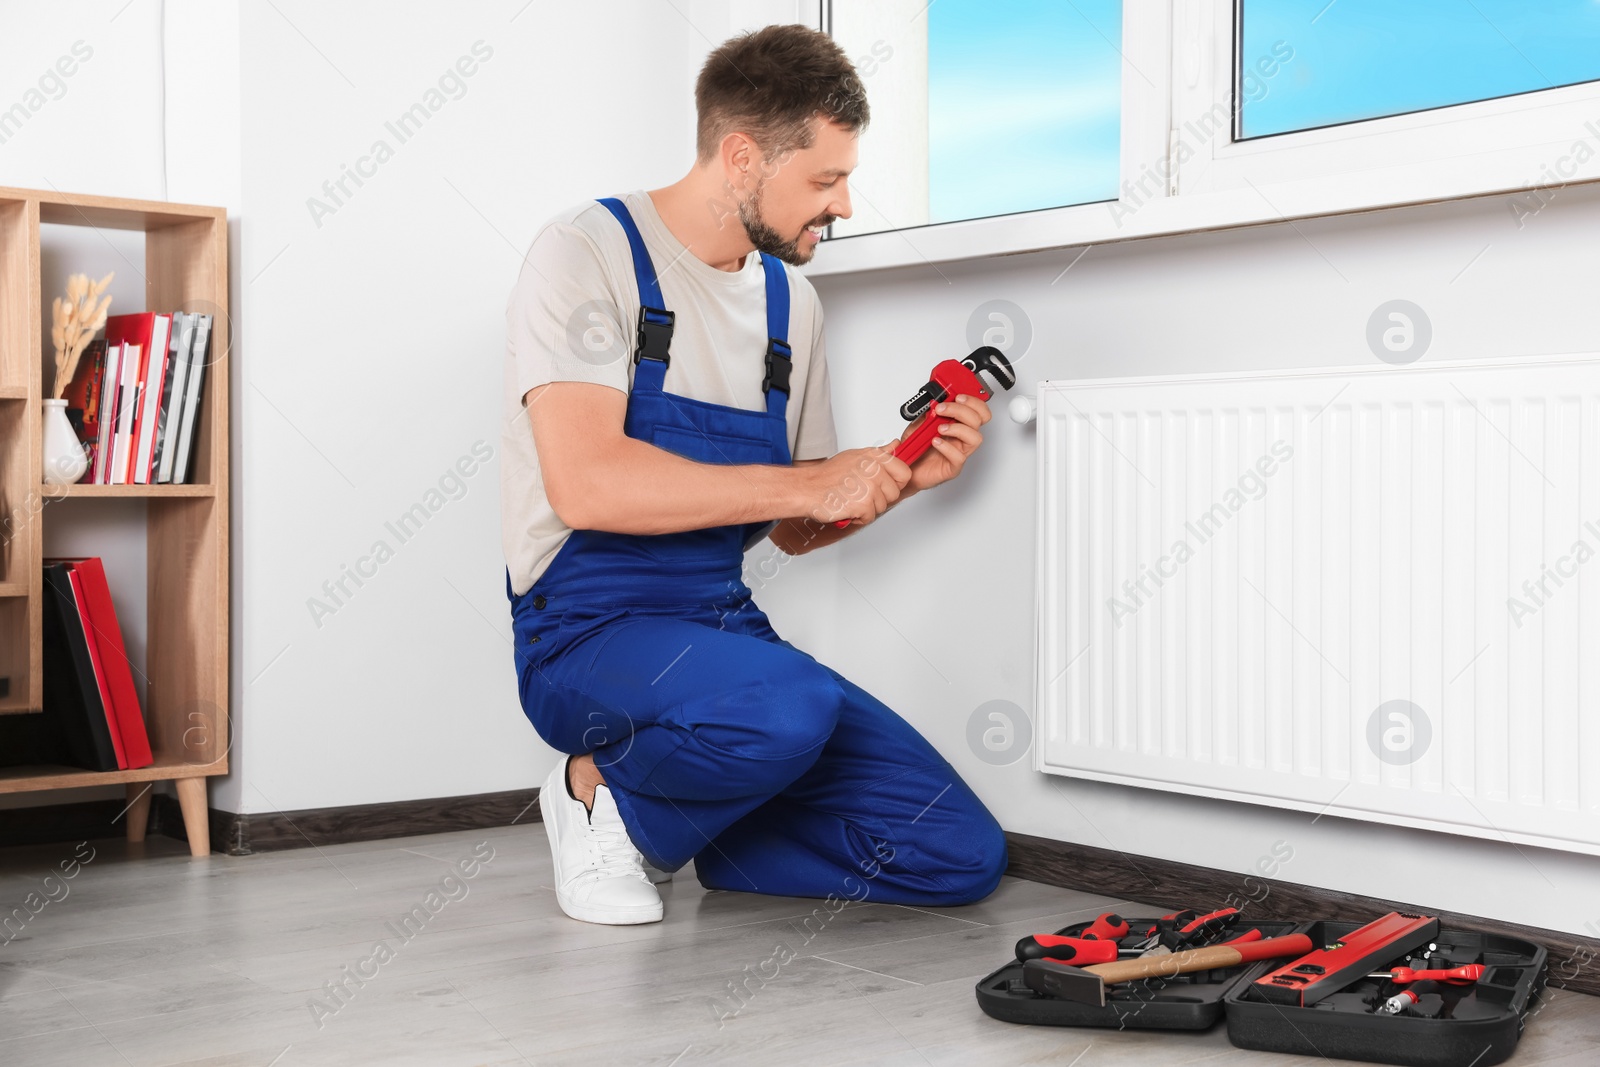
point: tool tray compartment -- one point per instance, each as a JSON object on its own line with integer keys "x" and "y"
{"x": 1481, "y": 1028}
{"x": 1177, "y": 1002}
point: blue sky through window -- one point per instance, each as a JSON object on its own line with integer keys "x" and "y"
{"x": 1023, "y": 105}
{"x": 1361, "y": 59}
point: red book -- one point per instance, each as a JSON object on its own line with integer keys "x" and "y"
{"x": 100, "y": 617}
{"x": 152, "y": 332}
{"x": 75, "y": 579}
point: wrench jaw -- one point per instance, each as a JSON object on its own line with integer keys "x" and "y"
{"x": 991, "y": 360}
{"x": 986, "y": 360}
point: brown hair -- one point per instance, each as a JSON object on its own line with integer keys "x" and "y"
{"x": 770, "y": 83}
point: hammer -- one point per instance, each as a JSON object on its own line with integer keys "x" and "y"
{"x": 1087, "y": 985}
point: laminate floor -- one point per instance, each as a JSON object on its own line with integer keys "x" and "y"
{"x": 148, "y": 956}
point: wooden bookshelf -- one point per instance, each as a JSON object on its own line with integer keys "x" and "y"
{"x": 186, "y": 626}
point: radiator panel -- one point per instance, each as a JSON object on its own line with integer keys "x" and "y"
{"x": 1238, "y": 573}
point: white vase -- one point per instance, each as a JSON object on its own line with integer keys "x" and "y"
{"x": 64, "y": 458}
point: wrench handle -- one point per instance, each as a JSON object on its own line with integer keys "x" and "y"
{"x": 915, "y": 443}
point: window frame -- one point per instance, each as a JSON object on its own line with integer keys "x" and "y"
{"x": 1177, "y": 67}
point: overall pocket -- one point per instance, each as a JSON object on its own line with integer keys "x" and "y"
{"x": 536, "y": 636}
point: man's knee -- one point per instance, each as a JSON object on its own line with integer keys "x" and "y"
{"x": 768, "y": 732}
{"x": 796, "y": 712}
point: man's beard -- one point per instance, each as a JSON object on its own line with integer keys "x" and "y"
{"x": 769, "y": 241}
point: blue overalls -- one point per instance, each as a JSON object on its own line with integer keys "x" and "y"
{"x": 721, "y": 741}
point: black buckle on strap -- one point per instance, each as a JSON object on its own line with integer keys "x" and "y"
{"x": 778, "y": 366}
{"x": 654, "y": 337}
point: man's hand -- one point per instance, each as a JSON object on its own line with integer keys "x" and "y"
{"x": 943, "y": 461}
{"x": 802, "y": 534}
{"x": 948, "y": 453}
{"x": 857, "y": 484}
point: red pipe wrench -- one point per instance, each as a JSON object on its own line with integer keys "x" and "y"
{"x": 951, "y": 377}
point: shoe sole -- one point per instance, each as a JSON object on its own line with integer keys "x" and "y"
{"x": 591, "y": 913}
{"x": 610, "y": 916}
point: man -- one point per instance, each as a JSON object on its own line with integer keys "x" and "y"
{"x": 677, "y": 412}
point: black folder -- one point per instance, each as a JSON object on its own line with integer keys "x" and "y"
{"x": 71, "y": 694}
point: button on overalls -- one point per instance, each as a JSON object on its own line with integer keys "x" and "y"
{"x": 719, "y": 740}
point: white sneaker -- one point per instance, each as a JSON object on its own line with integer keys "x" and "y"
{"x": 599, "y": 875}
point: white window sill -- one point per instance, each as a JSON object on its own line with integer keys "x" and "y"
{"x": 1528, "y": 175}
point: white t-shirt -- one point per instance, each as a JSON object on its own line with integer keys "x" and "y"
{"x": 573, "y": 315}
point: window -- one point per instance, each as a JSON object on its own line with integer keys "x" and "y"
{"x": 982, "y": 109}
{"x": 992, "y": 127}
{"x": 1022, "y": 105}
{"x": 1363, "y": 59}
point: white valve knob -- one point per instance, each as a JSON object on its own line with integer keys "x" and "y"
{"x": 1022, "y": 410}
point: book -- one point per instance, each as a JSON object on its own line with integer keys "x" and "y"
{"x": 183, "y": 330}
{"x": 151, "y": 396}
{"x": 135, "y": 397}
{"x": 84, "y": 394}
{"x": 122, "y": 433}
{"x": 151, "y": 332}
{"x": 110, "y": 390}
{"x": 198, "y": 356}
{"x": 118, "y": 693}
{"x": 71, "y": 689}
{"x": 99, "y": 681}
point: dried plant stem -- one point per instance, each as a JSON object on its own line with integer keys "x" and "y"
{"x": 74, "y": 322}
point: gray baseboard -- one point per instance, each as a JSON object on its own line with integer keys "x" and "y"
{"x": 240, "y": 834}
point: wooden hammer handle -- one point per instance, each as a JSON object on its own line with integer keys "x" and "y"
{"x": 1201, "y": 959}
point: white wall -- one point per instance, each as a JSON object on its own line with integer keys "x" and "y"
{"x": 376, "y": 337}
{"x": 1269, "y": 297}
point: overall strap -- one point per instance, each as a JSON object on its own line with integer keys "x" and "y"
{"x": 655, "y": 321}
{"x": 776, "y": 383}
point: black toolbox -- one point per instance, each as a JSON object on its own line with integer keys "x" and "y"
{"x": 1480, "y": 1028}
{"x": 1179, "y": 1002}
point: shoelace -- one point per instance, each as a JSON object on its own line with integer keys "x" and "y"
{"x": 613, "y": 851}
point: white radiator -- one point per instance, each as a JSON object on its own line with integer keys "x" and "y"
{"x": 1369, "y": 593}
